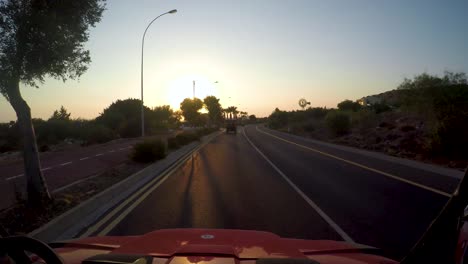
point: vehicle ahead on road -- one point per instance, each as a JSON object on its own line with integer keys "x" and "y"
{"x": 231, "y": 126}
{"x": 224, "y": 246}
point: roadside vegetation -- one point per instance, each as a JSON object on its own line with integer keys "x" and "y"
{"x": 424, "y": 118}
{"x": 151, "y": 150}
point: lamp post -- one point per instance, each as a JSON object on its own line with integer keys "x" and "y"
{"x": 142, "y": 49}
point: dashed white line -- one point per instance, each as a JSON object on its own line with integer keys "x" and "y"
{"x": 48, "y": 168}
{"x": 66, "y": 163}
{"x": 122, "y": 148}
{"x": 110, "y": 151}
{"x": 325, "y": 217}
{"x": 100, "y": 154}
{"x": 84, "y": 158}
{"x": 14, "y": 177}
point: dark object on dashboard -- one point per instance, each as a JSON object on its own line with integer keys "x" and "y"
{"x": 118, "y": 258}
{"x": 286, "y": 261}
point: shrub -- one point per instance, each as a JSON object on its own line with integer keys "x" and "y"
{"x": 205, "y": 131}
{"x": 185, "y": 138}
{"x": 308, "y": 127}
{"x": 44, "y": 148}
{"x": 365, "y": 119}
{"x": 149, "y": 151}
{"x": 338, "y": 122}
{"x": 95, "y": 134}
{"x": 348, "y": 105}
{"x": 172, "y": 143}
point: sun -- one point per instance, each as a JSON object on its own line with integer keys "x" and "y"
{"x": 182, "y": 87}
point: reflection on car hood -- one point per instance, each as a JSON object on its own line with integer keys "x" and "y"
{"x": 217, "y": 246}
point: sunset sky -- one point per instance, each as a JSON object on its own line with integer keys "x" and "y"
{"x": 263, "y": 53}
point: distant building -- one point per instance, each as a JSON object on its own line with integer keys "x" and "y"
{"x": 369, "y": 100}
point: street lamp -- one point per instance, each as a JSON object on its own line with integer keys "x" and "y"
{"x": 142, "y": 46}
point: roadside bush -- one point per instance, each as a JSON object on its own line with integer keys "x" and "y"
{"x": 185, "y": 138}
{"x": 95, "y": 133}
{"x": 205, "y": 131}
{"x": 338, "y": 122}
{"x": 308, "y": 127}
{"x": 278, "y": 119}
{"x": 172, "y": 143}
{"x": 364, "y": 119}
{"x": 149, "y": 151}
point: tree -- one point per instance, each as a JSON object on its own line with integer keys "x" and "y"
{"x": 231, "y": 111}
{"x": 253, "y": 118}
{"x": 190, "y": 108}
{"x": 214, "y": 109}
{"x": 278, "y": 119}
{"x": 61, "y": 114}
{"x": 40, "y": 39}
{"x": 348, "y": 105}
{"x": 162, "y": 117}
{"x": 124, "y": 117}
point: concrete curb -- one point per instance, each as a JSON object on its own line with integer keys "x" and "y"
{"x": 70, "y": 223}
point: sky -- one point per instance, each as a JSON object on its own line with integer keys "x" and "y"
{"x": 263, "y": 54}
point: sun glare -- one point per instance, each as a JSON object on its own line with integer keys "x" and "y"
{"x": 182, "y": 88}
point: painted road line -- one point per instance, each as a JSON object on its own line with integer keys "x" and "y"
{"x": 361, "y": 166}
{"x": 14, "y": 177}
{"x": 140, "y": 195}
{"x": 100, "y": 154}
{"x": 66, "y": 163}
{"x": 122, "y": 148}
{"x": 21, "y": 175}
{"x": 85, "y": 158}
{"x": 325, "y": 217}
{"x": 110, "y": 151}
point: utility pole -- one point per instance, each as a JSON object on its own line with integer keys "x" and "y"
{"x": 194, "y": 89}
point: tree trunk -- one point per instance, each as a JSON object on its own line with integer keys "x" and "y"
{"x": 36, "y": 187}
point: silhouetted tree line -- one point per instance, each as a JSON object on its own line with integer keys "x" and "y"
{"x": 442, "y": 102}
{"x": 120, "y": 120}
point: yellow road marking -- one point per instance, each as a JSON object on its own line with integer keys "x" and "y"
{"x": 360, "y": 165}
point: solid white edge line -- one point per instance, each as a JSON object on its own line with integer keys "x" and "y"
{"x": 360, "y": 165}
{"x": 66, "y": 163}
{"x": 325, "y": 217}
{"x": 140, "y": 196}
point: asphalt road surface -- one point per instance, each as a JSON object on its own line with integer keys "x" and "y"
{"x": 64, "y": 167}
{"x": 265, "y": 180}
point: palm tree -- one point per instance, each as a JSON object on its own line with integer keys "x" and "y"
{"x": 231, "y": 112}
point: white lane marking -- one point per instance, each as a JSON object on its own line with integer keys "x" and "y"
{"x": 110, "y": 151}
{"x": 14, "y": 177}
{"x": 122, "y": 148}
{"x": 100, "y": 154}
{"x": 66, "y": 163}
{"x": 85, "y": 158}
{"x": 22, "y": 175}
{"x": 325, "y": 217}
{"x": 362, "y": 166}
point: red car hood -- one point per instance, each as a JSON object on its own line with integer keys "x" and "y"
{"x": 217, "y": 246}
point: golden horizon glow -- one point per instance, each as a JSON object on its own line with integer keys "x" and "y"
{"x": 182, "y": 87}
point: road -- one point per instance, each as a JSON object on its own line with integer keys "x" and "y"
{"x": 62, "y": 168}
{"x": 265, "y": 180}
